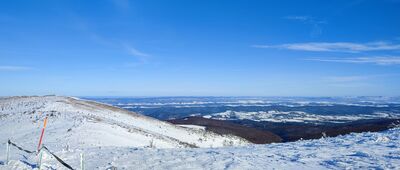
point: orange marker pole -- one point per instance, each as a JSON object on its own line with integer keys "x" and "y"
{"x": 41, "y": 136}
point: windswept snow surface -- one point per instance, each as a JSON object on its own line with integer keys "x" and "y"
{"x": 75, "y": 123}
{"x": 378, "y": 150}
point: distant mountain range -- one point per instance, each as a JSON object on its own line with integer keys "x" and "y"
{"x": 275, "y": 109}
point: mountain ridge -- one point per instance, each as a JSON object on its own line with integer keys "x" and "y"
{"x": 99, "y": 123}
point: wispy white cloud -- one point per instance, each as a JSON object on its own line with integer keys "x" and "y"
{"x": 356, "y": 81}
{"x": 392, "y": 60}
{"x": 135, "y": 52}
{"x": 14, "y": 68}
{"x": 335, "y": 46}
{"x": 299, "y": 18}
{"x": 353, "y": 85}
{"x": 142, "y": 58}
{"x": 346, "y": 79}
{"x": 121, "y": 4}
{"x": 309, "y": 20}
{"x": 124, "y": 47}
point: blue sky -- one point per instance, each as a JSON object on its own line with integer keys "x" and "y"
{"x": 206, "y": 48}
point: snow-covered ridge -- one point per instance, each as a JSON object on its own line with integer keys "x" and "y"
{"x": 297, "y": 116}
{"x": 378, "y": 150}
{"x": 76, "y": 123}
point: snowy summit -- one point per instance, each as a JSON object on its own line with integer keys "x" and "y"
{"x": 81, "y": 123}
{"x": 112, "y": 137}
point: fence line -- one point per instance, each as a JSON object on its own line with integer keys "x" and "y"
{"x": 20, "y": 148}
{"x": 57, "y": 158}
{"x": 9, "y": 143}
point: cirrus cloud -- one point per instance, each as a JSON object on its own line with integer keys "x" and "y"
{"x": 14, "y": 68}
{"x": 335, "y": 46}
{"x": 316, "y": 24}
{"x": 385, "y": 60}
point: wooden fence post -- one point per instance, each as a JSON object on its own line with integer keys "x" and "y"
{"x": 82, "y": 162}
{"x": 40, "y": 159}
{"x": 8, "y": 152}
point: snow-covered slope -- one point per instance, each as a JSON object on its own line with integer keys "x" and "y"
{"x": 378, "y": 150}
{"x": 77, "y": 124}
